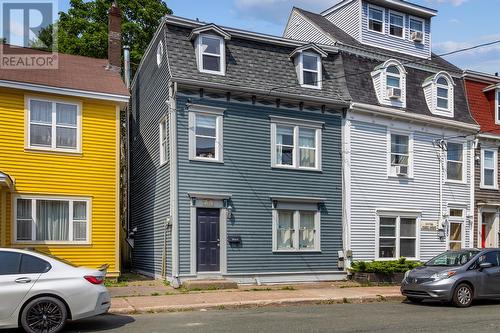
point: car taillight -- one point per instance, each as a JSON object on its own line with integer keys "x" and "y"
{"x": 94, "y": 279}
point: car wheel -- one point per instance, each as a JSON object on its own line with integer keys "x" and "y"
{"x": 463, "y": 295}
{"x": 414, "y": 300}
{"x": 44, "y": 315}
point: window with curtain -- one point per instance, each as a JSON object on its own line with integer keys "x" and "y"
{"x": 297, "y": 230}
{"x": 489, "y": 168}
{"x": 397, "y": 237}
{"x": 455, "y": 161}
{"x": 296, "y": 146}
{"x": 53, "y": 125}
{"x": 54, "y": 220}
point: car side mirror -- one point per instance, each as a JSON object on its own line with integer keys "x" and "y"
{"x": 485, "y": 265}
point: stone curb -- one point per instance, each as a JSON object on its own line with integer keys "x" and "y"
{"x": 255, "y": 304}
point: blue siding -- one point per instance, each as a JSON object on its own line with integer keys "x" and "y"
{"x": 150, "y": 186}
{"x": 248, "y": 176}
{"x": 394, "y": 43}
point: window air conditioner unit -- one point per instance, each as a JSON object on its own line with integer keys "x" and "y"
{"x": 402, "y": 170}
{"x": 417, "y": 36}
{"x": 394, "y": 93}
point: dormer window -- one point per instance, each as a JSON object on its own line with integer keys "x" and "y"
{"x": 307, "y": 61}
{"x": 438, "y": 91}
{"x": 211, "y": 54}
{"x": 389, "y": 80}
{"x": 396, "y": 24}
{"x": 375, "y": 19}
{"x": 311, "y": 70}
{"x": 210, "y": 48}
{"x": 442, "y": 93}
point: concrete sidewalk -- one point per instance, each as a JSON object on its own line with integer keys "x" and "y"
{"x": 238, "y": 298}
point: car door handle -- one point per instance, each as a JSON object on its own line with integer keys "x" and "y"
{"x": 23, "y": 280}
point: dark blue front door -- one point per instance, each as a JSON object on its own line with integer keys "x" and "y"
{"x": 208, "y": 247}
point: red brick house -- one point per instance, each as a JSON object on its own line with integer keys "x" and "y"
{"x": 483, "y": 94}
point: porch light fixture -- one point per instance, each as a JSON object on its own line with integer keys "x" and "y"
{"x": 229, "y": 211}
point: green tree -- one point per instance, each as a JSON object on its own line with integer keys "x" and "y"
{"x": 83, "y": 30}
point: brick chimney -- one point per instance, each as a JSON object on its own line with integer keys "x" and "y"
{"x": 114, "y": 36}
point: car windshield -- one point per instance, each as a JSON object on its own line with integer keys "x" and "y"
{"x": 452, "y": 258}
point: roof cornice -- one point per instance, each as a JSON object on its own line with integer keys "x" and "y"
{"x": 264, "y": 92}
{"x": 64, "y": 91}
{"x": 209, "y": 27}
{"x": 307, "y": 47}
{"x": 187, "y": 23}
{"x": 479, "y": 76}
{"x": 416, "y": 117}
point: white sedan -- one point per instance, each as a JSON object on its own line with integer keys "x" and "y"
{"x": 39, "y": 293}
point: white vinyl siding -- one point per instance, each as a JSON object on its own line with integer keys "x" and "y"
{"x": 53, "y": 125}
{"x": 52, "y": 220}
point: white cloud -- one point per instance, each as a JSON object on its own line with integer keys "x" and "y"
{"x": 277, "y": 11}
{"x": 453, "y": 2}
{"x": 454, "y": 21}
{"x": 450, "y": 46}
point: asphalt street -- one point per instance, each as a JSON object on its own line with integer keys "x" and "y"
{"x": 373, "y": 317}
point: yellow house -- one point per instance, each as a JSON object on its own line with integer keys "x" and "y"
{"x": 59, "y": 160}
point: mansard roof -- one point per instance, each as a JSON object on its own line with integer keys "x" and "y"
{"x": 256, "y": 62}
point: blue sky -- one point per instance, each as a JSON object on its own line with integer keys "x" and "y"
{"x": 459, "y": 24}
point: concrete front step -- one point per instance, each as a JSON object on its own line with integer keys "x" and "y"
{"x": 209, "y": 284}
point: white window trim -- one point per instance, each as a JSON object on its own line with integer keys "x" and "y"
{"x": 208, "y": 111}
{"x": 53, "y": 148}
{"x": 449, "y": 88}
{"x": 368, "y": 18}
{"x": 398, "y": 217}
{"x": 464, "y": 165}
{"x": 163, "y": 153}
{"x": 159, "y": 53}
{"x": 70, "y": 228}
{"x": 319, "y": 72}
{"x": 423, "y": 27}
{"x": 450, "y": 111}
{"x": 495, "y": 173}
{"x": 497, "y": 106}
{"x": 391, "y": 174}
{"x": 222, "y": 54}
{"x": 456, "y": 219}
{"x": 296, "y": 233}
{"x": 404, "y": 24}
{"x": 296, "y": 123}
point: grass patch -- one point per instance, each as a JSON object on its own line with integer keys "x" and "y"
{"x": 155, "y": 294}
{"x": 288, "y": 288}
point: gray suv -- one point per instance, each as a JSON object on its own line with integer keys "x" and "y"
{"x": 456, "y": 276}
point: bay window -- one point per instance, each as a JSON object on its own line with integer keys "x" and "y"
{"x": 296, "y": 146}
{"x": 397, "y": 237}
{"x": 455, "y": 162}
{"x": 53, "y": 125}
{"x": 489, "y": 168}
{"x": 296, "y": 229}
{"x": 51, "y": 220}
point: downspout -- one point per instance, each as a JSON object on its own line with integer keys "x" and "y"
{"x": 172, "y": 120}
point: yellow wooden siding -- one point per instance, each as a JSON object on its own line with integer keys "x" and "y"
{"x": 93, "y": 174}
